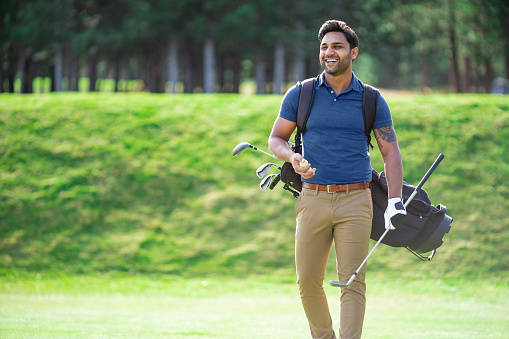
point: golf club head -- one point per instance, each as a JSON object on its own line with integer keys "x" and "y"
{"x": 266, "y": 181}
{"x": 275, "y": 181}
{"x": 335, "y": 283}
{"x": 240, "y": 148}
{"x": 263, "y": 169}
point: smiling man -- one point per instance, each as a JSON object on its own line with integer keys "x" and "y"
{"x": 335, "y": 203}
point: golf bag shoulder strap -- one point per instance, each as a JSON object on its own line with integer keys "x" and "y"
{"x": 307, "y": 93}
{"x": 288, "y": 176}
{"x": 369, "y": 99}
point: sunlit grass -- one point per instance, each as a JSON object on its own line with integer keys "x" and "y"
{"x": 138, "y": 182}
{"x": 51, "y": 305}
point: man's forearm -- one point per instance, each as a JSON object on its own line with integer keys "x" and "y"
{"x": 279, "y": 147}
{"x": 394, "y": 174}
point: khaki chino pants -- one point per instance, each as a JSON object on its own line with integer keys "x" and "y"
{"x": 322, "y": 218}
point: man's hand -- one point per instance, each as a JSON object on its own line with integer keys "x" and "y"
{"x": 395, "y": 213}
{"x": 305, "y": 171}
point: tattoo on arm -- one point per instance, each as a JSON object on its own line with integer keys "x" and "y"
{"x": 387, "y": 134}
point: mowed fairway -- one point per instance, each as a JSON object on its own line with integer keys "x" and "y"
{"x": 152, "y": 307}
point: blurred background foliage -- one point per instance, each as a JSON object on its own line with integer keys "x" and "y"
{"x": 248, "y": 46}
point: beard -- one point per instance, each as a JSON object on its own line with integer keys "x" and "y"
{"x": 340, "y": 68}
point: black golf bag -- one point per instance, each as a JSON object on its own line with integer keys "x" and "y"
{"x": 424, "y": 226}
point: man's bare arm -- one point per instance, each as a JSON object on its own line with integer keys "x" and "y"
{"x": 393, "y": 166}
{"x": 278, "y": 145}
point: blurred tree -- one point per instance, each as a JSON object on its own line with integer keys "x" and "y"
{"x": 169, "y": 27}
{"x": 495, "y": 34}
{"x": 123, "y": 25}
{"x": 234, "y": 36}
{"x": 29, "y": 32}
{"x": 453, "y": 45}
{"x": 205, "y": 44}
{"x": 280, "y": 34}
{"x": 264, "y": 28}
{"x": 504, "y": 23}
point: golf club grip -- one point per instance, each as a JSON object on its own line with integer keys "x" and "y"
{"x": 430, "y": 171}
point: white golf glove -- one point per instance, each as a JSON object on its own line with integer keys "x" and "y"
{"x": 395, "y": 213}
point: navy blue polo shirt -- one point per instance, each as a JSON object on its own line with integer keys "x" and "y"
{"x": 334, "y": 141}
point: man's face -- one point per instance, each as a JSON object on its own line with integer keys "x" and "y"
{"x": 335, "y": 53}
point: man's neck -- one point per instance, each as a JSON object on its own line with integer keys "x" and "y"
{"x": 340, "y": 82}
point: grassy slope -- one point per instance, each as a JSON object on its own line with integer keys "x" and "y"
{"x": 147, "y": 183}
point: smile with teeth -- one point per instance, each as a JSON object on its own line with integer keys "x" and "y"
{"x": 331, "y": 61}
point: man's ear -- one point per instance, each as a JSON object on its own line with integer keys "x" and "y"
{"x": 355, "y": 53}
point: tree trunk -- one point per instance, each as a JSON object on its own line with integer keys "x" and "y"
{"x": 30, "y": 74}
{"x": 10, "y": 71}
{"x": 160, "y": 69}
{"x": 73, "y": 71}
{"x": 260, "y": 72}
{"x": 116, "y": 70}
{"x": 189, "y": 70}
{"x": 151, "y": 81}
{"x": 488, "y": 79}
{"x": 209, "y": 66}
{"x": 163, "y": 65}
{"x": 188, "y": 76}
{"x": 52, "y": 76}
{"x": 236, "y": 75}
{"x": 92, "y": 70}
{"x": 58, "y": 67}
{"x": 425, "y": 72}
{"x": 507, "y": 62}
{"x": 300, "y": 69}
{"x": 455, "y": 73}
{"x": 65, "y": 67}
{"x": 221, "y": 70}
{"x": 279, "y": 67}
{"x": 197, "y": 62}
{"x": 10, "y": 77}
{"x": 300, "y": 61}
{"x": 504, "y": 13}
{"x": 153, "y": 70}
{"x": 1, "y": 73}
{"x": 21, "y": 67}
{"x": 172, "y": 61}
{"x": 468, "y": 75}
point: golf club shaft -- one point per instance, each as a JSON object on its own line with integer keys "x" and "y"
{"x": 271, "y": 155}
{"x": 414, "y": 193}
{"x": 431, "y": 170}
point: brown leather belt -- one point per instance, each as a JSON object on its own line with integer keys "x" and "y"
{"x": 337, "y": 188}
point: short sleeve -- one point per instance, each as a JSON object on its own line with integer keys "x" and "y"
{"x": 290, "y": 103}
{"x": 383, "y": 113}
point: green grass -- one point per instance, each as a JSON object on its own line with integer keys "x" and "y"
{"x": 135, "y": 200}
{"x": 141, "y": 306}
{"x": 136, "y": 182}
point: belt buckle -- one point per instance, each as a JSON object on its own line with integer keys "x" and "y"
{"x": 328, "y": 188}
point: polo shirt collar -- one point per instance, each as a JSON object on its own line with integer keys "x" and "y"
{"x": 355, "y": 85}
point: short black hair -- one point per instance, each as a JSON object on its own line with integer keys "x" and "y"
{"x": 339, "y": 26}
